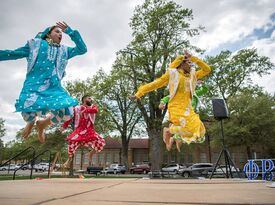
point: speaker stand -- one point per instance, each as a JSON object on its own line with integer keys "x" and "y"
{"x": 227, "y": 159}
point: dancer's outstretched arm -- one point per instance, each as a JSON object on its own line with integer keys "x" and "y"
{"x": 158, "y": 83}
{"x": 67, "y": 123}
{"x": 18, "y": 53}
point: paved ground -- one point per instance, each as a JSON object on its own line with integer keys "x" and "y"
{"x": 134, "y": 192}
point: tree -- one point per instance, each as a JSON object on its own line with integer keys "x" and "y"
{"x": 251, "y": 121}
{"x": 123, "y": 113}
{"x": 231, "y": 79}
{"x": 160, "y": 31}
{"x": 232, "y": 72}
{"x": 118, "y": 114}
{"x": 2, "y": 134}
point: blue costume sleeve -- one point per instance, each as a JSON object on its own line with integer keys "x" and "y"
{"x": 15, "y": 54}
{"x": 80, "y": 47}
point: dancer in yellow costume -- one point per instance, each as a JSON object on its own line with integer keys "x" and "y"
{"x": 181, "y": 78}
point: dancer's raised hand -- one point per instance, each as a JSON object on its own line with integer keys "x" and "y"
{"x": 62, "y": 25}
{"x": 187, "y": 55}
{"x": 162, "y": 106}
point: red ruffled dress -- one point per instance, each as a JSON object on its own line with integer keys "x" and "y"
{"x": 84, "y": 133}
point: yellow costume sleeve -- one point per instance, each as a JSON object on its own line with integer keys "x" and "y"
{"x": 158, "y": 83}
{"x": 204, "y": 68}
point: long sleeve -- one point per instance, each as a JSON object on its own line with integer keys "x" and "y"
{"x": 18, "y": 53}
{"x": 92, "y": 109}
{"x": 201, "y": 90}
{"x": 80, "y": 47}
{"x": 165, "y": 100}
{"x": 204, "y": 68}
{"x": 158, "y": 83}
{"x": 67, "y": 123}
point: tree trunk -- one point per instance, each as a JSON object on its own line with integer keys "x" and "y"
{"x": 155, "y": 150}
{"x": 125, "y": 157}
{"x": 81, "y": 159}
{"x": 125, "y": 152}
{"x": 71, "y": 171}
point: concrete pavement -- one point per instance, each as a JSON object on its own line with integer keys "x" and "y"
{"x": 102, "y": 191}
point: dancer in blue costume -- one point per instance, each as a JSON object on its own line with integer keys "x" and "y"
{"x": 42, "y": 93}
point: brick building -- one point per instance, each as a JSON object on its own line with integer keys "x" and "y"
{"x": 138, "y": 153}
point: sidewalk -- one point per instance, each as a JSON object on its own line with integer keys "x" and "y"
{"x": 134, "y": 192}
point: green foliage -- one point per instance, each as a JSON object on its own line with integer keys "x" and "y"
{"x": 55, "y": 142}
{"x": 251, "y": 122}
{"x": 232, "y": 72}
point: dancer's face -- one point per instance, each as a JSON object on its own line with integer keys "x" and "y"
{"x": 186, "y": 66}
{"x": 55, "y": 35}
{"x": 88, "y": 101}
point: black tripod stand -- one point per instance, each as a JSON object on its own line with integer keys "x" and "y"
{"x": 229, "y": 164}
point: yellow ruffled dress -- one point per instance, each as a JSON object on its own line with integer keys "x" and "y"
{"x": 185, "y": 122}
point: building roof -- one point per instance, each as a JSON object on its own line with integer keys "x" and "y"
{"x": 115, "y": 143}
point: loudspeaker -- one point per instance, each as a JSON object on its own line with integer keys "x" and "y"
{"x": 220, "y": 109}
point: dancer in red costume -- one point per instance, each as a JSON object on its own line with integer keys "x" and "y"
{"x": 84, "y": 133}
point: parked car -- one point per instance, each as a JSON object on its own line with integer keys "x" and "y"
{"x": 140, "y": 169}
{"x": 41, "y": 167}
{"x": 94, "y": 170}
{"x": 221, "y": 172}
{"x": 27, "y": 166}
{"x": 115, "y": 169}
{"x": 173, "y": 168}
{"x": 196, "y": 170}
{"x": 7, "y": 167}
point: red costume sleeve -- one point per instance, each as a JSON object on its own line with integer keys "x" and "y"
{"x": 68, "y": 122}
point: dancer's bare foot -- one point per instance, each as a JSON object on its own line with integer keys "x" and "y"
{"x": 178, "y": 144}
{"x": 170, "y": 143}
{"x": 27, "y": 130}
{"x": 41, "y": 125}
{"x": 166, "y": 135}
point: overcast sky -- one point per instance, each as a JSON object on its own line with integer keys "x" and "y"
{"x": 104, "y": 26}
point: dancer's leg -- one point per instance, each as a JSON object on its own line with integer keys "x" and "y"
{"x": 178, "y": 144}
{"x": 30, "y": 118}
{"x": 41, "y": 126}
{"x": 91, "y": 153}
{"x": 72, "y": 147}
{"x": 166, "y": 135}
{"x": 170, "y": 143}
